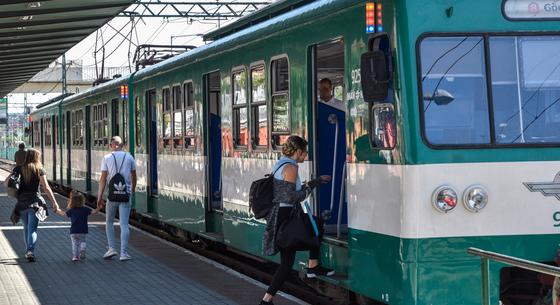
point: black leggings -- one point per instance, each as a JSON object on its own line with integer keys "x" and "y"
{"x": 287, "y": 257}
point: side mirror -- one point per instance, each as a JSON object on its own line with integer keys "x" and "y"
{"x": 440, "y": 97}
{"x": 375, "y": 76}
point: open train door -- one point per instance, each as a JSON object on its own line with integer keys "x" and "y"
{"x": 213, "y": 151}
{"x": 328, "y": 108}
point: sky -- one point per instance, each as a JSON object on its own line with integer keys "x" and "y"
{"x": 180, "y": 31}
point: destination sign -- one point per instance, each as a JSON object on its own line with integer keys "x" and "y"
{"x": 531, "y": 9}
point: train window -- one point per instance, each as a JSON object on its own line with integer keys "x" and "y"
{"x": 454, "y": 91}
{"x": 80, "y": 129}
{"x": 525, "y": 89}
{"x": 115, "y": 119}
{"x": 239, "y": 111}
{"x": 177, "y": 118}
{"x": 47, "y": 132}
{"x": 63, "y": 130}
{"x": 36, "y": 134}
{"x": 280, "y": 101}
{"x": 56, "y": 136}
{"x": 259, "y": 112}
{"x": 94, "y": 120}
{"x": 105, "y": 125}
{"x": 138, "y": 123}
{"x": 188, "y": 100}
{"x": 167, "y": 109}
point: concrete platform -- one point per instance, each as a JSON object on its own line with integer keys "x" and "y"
{"x": 159, "y": 273}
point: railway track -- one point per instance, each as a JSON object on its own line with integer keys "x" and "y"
{"x": 248, "y": 265}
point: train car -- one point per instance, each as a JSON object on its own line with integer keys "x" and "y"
{"x": 448, "y": 138}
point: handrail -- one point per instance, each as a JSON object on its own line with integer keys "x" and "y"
{"x": 487, "y": 256}
{"x": 516, "y": 262}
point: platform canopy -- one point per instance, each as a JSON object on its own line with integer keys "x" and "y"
{"x": 35, "y": 33}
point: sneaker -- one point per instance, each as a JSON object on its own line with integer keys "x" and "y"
{"x": 109, "y": 254}
{"x": 75, "y": 259}
{"x": 125, "y": 257}
{"x": 318, "y": 271}
{"x": 83, "y": 254}
{"x": 30, "y": 256}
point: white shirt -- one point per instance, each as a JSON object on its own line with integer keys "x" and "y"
{"x": 129, "y": 164}
{"x": 335, "y": 103}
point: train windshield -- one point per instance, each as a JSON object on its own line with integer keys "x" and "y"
{"x": 512, "y": 97}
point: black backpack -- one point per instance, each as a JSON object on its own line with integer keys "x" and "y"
{"x": 118, "y": 191}
{"x": 261, "y": 194}
{"x": 14, "y": 183}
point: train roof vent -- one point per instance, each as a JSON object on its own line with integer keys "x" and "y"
{"x": 151, "y": 54}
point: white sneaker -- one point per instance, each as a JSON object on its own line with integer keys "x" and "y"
{"x": 125, "y": 257}
{"x": 109, "y": 254}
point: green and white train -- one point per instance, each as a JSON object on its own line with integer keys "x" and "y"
{"x": 450, "y": 138}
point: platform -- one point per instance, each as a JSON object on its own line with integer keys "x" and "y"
{"x": 159, "y": 273}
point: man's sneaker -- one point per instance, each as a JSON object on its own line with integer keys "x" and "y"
{"x": 83, "y": 254}
{"x": 30, "y": 256}
{"x": 75, "y": 259}
{"x": 109, "y": 254}
{"x": 319, "y": 271}
{"x": 125, "y": 257}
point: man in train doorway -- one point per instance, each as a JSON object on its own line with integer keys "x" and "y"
{"x": 326, "y": 95}
{"x": 326, "y": 147}
{"x": 123, "y": 163}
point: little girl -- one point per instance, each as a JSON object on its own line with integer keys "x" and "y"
{"x": 79, "y": 217}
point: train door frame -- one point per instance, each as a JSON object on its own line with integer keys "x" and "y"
{"x": 42, "y": 144}
{"x": 152, "y": 147}
{"x": 313, "y": 81}
{"x": 68, "y": 135}
{"x": 115, "y": 130}
{"x": 87, "y": 126}
{"x": 214, "y": 213}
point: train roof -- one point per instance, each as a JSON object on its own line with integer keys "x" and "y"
{"x": 266, "y": 13}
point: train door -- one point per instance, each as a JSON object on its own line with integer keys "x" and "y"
{"x": 87, "y": 125}
{"x": 54, "y": 141}
{"x": 68, "y": 147}
{"x": 42, "y": 135}
{"x": 213, "y": 147}
{"x": 115, "y": 118}
{"x": 329, "y": 133}
{"x": 151, "y": 123}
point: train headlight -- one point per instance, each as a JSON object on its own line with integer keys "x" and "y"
{"x": 444, "y": 199}
{"x": 475, "y": 198}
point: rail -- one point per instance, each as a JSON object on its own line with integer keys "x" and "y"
{"x": 487, "y": 256}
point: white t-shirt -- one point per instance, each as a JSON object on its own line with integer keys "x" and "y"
{"x": 333, "y": 102}
{"x": 108, "y": 165}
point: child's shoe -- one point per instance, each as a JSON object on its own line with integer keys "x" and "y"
{"x": 82, "y": 254}
{"x": 75, "y": 259}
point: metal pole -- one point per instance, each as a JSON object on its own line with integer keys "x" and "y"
{"x": 64, "y": 74}
{"x": 333, "y": 119}
{"x": 485, "y": 271}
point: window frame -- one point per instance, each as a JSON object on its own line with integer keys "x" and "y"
{"x": 486, "y": 48}
{"x": 272, "y": 94}
{"x": 234, "y": 107}
{"x": 186, "y": 108}
{"x": 137, "y": 122}
{"x": 253, "y": 130}
{"x": 166, "y": 141}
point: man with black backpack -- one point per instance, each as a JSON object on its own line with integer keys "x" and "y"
{"x": 119, "y": 169}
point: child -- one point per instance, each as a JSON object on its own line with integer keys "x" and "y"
{"x": 78, "y": 215}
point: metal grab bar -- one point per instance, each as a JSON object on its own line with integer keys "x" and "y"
{"x": 340, "y": 202}
{"x": 487, "y": 256}
{"x": 333, "y": 119}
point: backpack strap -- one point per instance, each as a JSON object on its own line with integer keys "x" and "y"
{"x": 119, "y": 169}
{"x": 279, "y": 167}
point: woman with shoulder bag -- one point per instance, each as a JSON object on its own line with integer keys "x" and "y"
{"x": 288, "y": 193}
{"x": 30, "y": 204}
